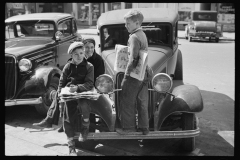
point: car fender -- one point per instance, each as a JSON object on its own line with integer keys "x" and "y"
{"x": 38, "y": 82}
{"x": 103, "y": 107}
{"x": 187, "y": 99}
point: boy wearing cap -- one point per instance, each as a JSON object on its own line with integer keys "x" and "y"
{"x": 133, "y": 90}
{"x": 79, "y": 74}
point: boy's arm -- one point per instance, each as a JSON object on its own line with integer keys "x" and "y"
{"x": 88, "y": 81}
{"x": 63, "y": 78}
{"x": 134, "y": 48}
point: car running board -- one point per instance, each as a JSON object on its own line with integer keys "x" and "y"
{"x": 139, "y": 135}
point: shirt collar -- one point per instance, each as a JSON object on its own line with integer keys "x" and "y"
{"x": 106, "y": 37}
{"x": 134, "y": 31}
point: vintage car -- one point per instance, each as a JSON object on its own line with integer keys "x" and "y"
{"x": 35, "y": 52}
{"x": 172, "y": 104}
{"x": 203, "y": 24}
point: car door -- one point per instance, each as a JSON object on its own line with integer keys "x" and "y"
{"x": 64, "y": 26}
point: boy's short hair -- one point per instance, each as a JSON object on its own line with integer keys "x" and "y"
{"x": 134, "y": 15}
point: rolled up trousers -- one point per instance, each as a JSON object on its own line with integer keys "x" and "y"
{"x": 134, "y": 94}
{"x": 70, "y": 113}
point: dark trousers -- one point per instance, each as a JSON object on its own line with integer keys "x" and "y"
{"x": 70, "y": 113}
{"x": 133, "y": 93}
{"x": 53, "y": 111}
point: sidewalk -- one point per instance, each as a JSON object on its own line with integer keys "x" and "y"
{"x": 227, "y": 36}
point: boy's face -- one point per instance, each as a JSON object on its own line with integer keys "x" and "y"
{"x": 78, "y": 55}
{"x": 105, "y": 32}
{"x": 130, "y": 25}
{"x": 89, "y": 49}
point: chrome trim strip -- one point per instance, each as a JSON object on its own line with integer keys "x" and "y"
{"x": 139, "y": 135}
{"x": 41, "y": 55}
{"x": 39, "y": 60}
{"x": 8, "y": 55}
{"x": 23, "y": 101}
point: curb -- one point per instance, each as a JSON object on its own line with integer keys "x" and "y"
{"x": 222, "y": 39}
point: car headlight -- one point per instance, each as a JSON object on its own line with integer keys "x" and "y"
{"x": 104, "y": 83}
{"x": 25, "y": 65}
{"x": 162, "y": 82}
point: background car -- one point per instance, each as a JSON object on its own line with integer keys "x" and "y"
{"x": 35, "y": 52}
{"x": 172, "y": 105}
{"x": 203, "y": 24}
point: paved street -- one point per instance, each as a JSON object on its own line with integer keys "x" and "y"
{"x": 208, "y": 65}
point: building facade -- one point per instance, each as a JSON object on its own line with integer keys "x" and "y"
{"x": 88, "y": 13}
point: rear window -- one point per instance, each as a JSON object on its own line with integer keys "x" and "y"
{"x": 204, "y": 16}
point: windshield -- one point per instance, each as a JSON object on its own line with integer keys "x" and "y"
{"x": 29, "y": 29}
{"x": 205, "y": 17}
{"x": 157, "y": 34}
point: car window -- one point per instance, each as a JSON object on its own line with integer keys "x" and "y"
{"x": 65, "y": 28}
{"x": 205, "y": 16}
{"x": 29, "y": 29}
{"x": 157, "y": 34}
{"x": 74, "y": 26}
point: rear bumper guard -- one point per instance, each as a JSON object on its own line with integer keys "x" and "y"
{"x": 139, "y": 135}
{"x": 23, "y": 101}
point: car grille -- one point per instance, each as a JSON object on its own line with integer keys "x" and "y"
{"x": 10, "y": 77}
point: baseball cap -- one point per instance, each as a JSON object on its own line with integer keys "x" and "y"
{"x": 73, "y": 46}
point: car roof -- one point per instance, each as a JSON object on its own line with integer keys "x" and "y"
{"x": 38, "y": 16}
{"x": 150, "y": 15}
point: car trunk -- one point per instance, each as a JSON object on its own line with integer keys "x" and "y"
{"x": 206, "y": 26}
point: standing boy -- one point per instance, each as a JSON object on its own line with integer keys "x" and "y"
{"x": 134, "y": 91}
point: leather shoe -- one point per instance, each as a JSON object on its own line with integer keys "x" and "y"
{"x": 43, "y": 123}
{"x": 125, "y": 131}
{"x": 145, "y": 131}
{"x": 60, "y": 129}
{"x": 72, "y": 151}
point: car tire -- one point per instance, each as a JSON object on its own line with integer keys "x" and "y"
{"x": 216, "y": 40}
{"x": 189, "y": 38}
{"x": 44, "y": 106}
{"x": 210, "y": 39}
{"x": 189, "y": 123}
{"x": 178, "y": 74}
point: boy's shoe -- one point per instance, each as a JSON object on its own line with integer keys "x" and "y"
{"x": 83, "y": 135}
{"x": 43, "y": 123}
{"x": 123, "y": 131}
{"x": 145, "y": 131}
{"x": 72, "y": 151}
{"x": 60, "y": 129}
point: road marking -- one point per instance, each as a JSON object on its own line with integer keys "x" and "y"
{"x": 228, "y": 136}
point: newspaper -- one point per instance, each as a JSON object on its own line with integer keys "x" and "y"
{"x": 123, "y": 57}
{"x": 66, "y": 95}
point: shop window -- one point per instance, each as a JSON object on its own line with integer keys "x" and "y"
{"x": 83, "y": 13}
{"x": 128, "y": 5}
{"x": 115, "y": 6}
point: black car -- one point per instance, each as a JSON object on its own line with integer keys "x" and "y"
{"x": 35, "y": 52}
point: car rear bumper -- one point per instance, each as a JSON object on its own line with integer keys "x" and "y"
{"x": 202, "y": 34}
{"x": 139, "y": 135}
{"x": 23, "y": 101}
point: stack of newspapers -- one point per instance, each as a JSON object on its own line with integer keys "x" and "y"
{"x": 123, "y": 59}
{"x": 65, "y": 95}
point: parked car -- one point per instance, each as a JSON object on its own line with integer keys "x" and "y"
{"x": 172, "y": 104}
{"x": 35, "y": 52}
{"x": 203, "y": 24}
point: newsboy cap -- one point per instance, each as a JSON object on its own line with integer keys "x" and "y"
{"x": 73, "y": 46}
{"x": 89, "y": 40}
